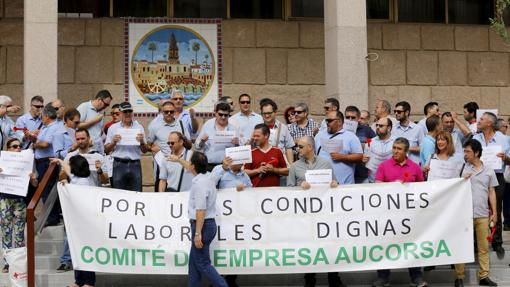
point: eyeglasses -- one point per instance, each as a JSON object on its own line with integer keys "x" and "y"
{"x": 326, "y": 108}
{"x": 127, "y": 111}
{"x": 245, "y": 102}
{"x": 169, "y": 112}
{"x": 301, "y": 146}
{"x": 15, "y": 146}
{"x": 267, "y": 113}
{"x": 81, "y": 139}
{"x": 58, "y": 108}
{"x": 8, "y": 106}
{"x": 350, "y": 117}
{"x": 38, "y": 106}
{"x": 399, "y": 112}
{"x": 328, "y": 121}
{"x": 178, "y": 99}
{"x": 105, "y": 103}
{"x": 170, "y": 143}
{"x": 380, "y": 126}
{"x": 222, "y": 115}
{"x": 298, "y": 112}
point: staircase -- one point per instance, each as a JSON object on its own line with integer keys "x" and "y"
{"x": 49, "y": 247}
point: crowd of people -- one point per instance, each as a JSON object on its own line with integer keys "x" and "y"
{"x": 190, "y": 157}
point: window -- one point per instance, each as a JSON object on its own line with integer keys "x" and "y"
{"x": 424, "y": 11}
{"x": 256, "y": 9}
{"x": 470, "y": 11}
{"x": 378, "y": 9}
{"x": 200, "y": 8}
{"x": 307, "y": 8}
{"x": 136, "y": 8}
{"x": 94, "y": 8}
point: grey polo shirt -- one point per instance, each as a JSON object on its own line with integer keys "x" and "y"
{"x": 171, "y": 172}
{"x": 132, "y": 152}
{"x": 87, "y": 113}
{"x": 298, "y": 169}
{"x": 159, "y": 130}
{"x": 481, "y": 181}
{"x": 202, "y": 195}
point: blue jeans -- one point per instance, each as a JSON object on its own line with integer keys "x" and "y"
{"x": 200, "y": 259}
{"x": 414, "y": 272}
{"x": 127, "y": 175}
{"x": 66, "y": 255}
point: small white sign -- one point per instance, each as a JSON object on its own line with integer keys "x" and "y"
{"x": 239, "y": 154}
{"x": 351, "y": 125}
{"x": 442, "y": 169}
{"x": 16, "y": 163}
{"x": 128, "y": 136}
{"x": 15, "y": 185}
{"x": 92, "y": 158}
{"x": 319, "y": 176}
{"x": 490, "y": 158}
{"x": 332, "y": 145}
{"x": 223, "y": 137}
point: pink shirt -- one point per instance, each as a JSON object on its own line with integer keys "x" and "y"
{"x": 389, "y": 170}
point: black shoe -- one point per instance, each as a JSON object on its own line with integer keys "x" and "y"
{"x": 459, "y": 283}
{"x": 64, "y": 268}
{"x": 487, "y": 282}
{"x": 500, "y": 251}
{"x": 429, "y": 268}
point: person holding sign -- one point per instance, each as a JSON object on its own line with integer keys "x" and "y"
{"x": 13, "y": 211}
{"x": 279, "y": 133}
{"x": 495, "y": 154}
{"x": 229, "y": 175}
{"x": 444, "y": 163}
{"x": 172, "y": 176}
{"x": 126, "y": 142}
{"x": 340, "y": 147}
{"x": 380, "y": 147}
{"x": 246, "y": 119}
{"x": 202, "y": 213}
{"x": 364, "y": 134}
{"x": 399, "y": 168}
{"x": 216, "y": 135}
{"x": 268, "y": 163}
{"x": 483, "y": 183}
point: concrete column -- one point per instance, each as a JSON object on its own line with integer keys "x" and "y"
{"x": 40, "y": 50}
{"x": 345, "y": 28}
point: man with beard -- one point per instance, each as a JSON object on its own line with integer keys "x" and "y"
{"x": 407, "y": 129}
{"x": 380, "y": 147}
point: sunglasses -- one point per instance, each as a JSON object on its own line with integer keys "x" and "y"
{"x": 326, "y": 108}
{"x": 330, "y": 120}
{"x": 170, "y": 143}
{"x": 350, "y": 117}
{"x": 267, "y": 113}
{"x": 15, "y": 146}
{"x": 178, "y": 99}
{"x": 81, "y": 139}
{"x": 38, "y": 106}
{"x": 169, "y": 112}
{"x": 127, "y": 111}
{"x": 399, "y": 112}
{"x": 222, "y": 115}
{"x": 298, "y": 112}
{"x": 245, "y": 102}
{"x": 301, "y": 146}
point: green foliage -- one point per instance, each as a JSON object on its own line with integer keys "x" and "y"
{"x": 497, "y": 23}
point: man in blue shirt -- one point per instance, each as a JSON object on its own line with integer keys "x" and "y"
{"x": 246, "y": 119}
{"x": 6, "y": 123}
{"x": 43, "y": 151}
{"x": 428, "y": 147}
{"x": 407, "y": 129}
{"x": 342, "y": 148}
{"x": 490, "y": 137}
{"x": 127, "y": 169}
{"x": 64, "y": 139}
{"x": 30, "y": 123}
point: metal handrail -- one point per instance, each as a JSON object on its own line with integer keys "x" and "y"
{"x": 31, "y": 225}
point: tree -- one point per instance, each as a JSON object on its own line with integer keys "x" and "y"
{"x": 206, "y": 58}
{"x": 196, "y": 47}
{"x": 152, "y": 47}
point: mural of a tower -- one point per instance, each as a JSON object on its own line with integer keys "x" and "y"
{"x": 173, "y": 50}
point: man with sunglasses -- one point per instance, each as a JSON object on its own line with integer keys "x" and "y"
{"x": 303, "y": 125}
{"x": 279, "y": 133}
{"x": 115, "y": 114}
{"x": 64, "y": 139}
{"x": 6, "y": 123}
{"x": 59, "y": 106}
{"x": 380, "y": 148}
{"x": 173, "y": 176}
{"x": 208, "y": 140}
{"x": 341, "y": 147}
{"x": 29, "y": 124}
{"x": 246, "y": 119}
{"x": 383, "y": 110}
{"x": 409, "y": 130}
{"x": 186, "y": 116}
{"x": 127, "y": 169}
{"x": 159, "y": 132}
{"x": 92, "y": 117}
{"x": 330, "y": 105}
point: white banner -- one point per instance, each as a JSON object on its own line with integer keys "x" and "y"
{"x": 274, "y": 230}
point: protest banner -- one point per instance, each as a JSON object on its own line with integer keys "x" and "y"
{"x": 274, "y": 230}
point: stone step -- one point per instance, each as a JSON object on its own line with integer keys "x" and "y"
{"x": 49, "y": 247}
{"x": 52, "y": 233}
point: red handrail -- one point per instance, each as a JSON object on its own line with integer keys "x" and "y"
{"x": 30, "y": 224}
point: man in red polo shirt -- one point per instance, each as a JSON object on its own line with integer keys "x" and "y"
{"x": 268, "y": 163}
{"x": 399, "y": 168}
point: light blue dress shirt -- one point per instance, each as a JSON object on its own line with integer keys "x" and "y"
{"x": 47, "y": 134}
{"x": 202, "y": 196}
{"x": 159, "y": 130}
{"x": 171, "y": 172}
{"x": 245, "y": 125}
{"x": 185, "y": 117}
{"x": 132, "y": 152}
{"x": 7, "y": 131}
{"x": 413, "y": 133}
{"x": 63, "y": 140}
{"x": 27, "y": 121}
{"x": 427, "y": 149}
{"x": 497, "y": 139}
{"x": 214, "y": 154}
{"x": 351, "y": 145}
{"x": 228, "y": 179}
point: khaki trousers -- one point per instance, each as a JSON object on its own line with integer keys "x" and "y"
{"x": 481, "y": 226}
